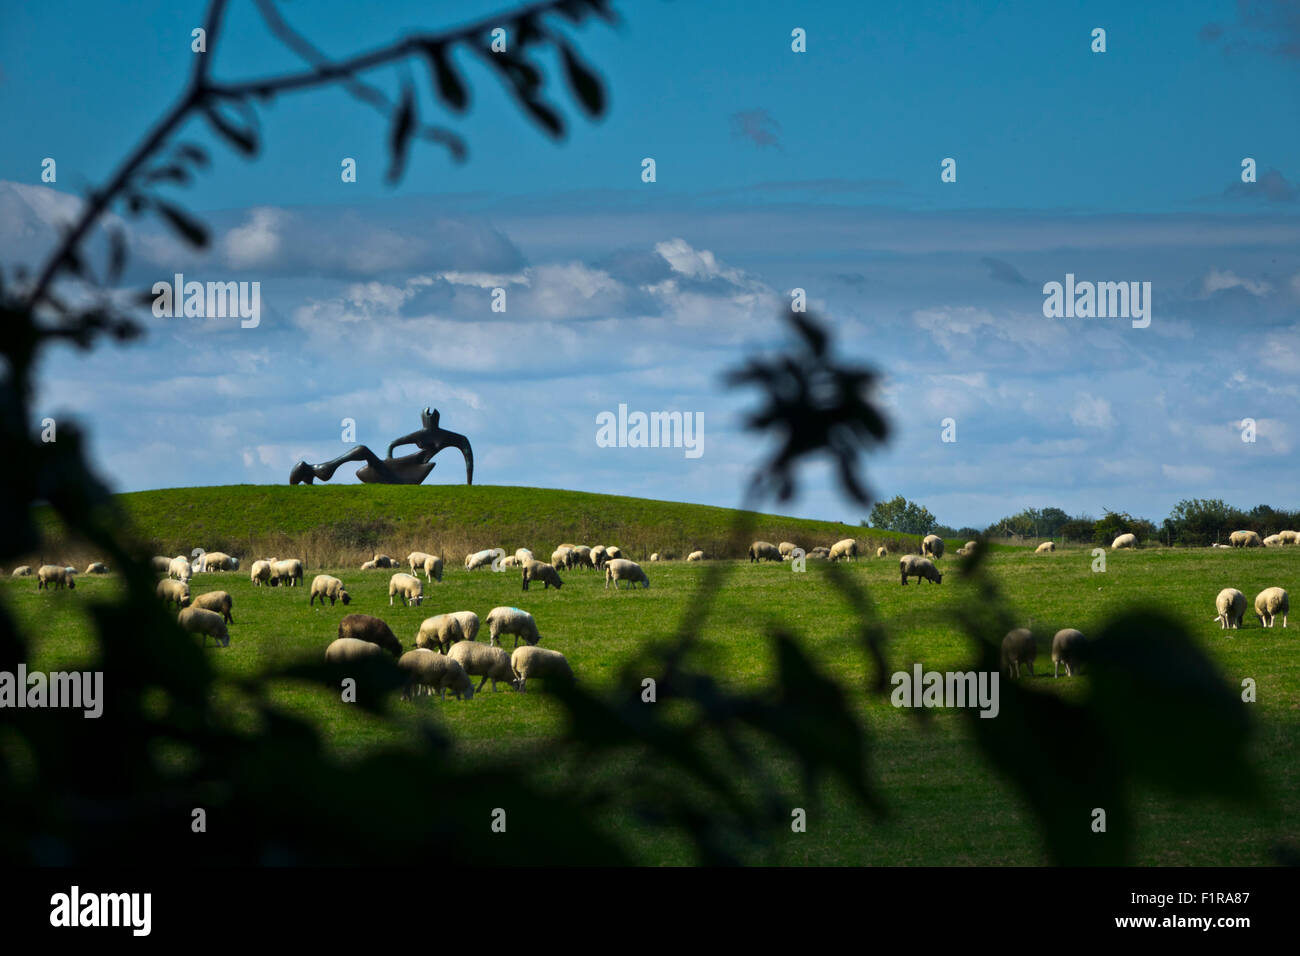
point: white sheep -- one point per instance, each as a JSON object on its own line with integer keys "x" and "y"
{"x": 218, "y": 561}
{"x": 529, "y": 661}
{"x": 1231, "y": 605}
{"x": 440, "y": 632}
{"x": 932, "y": 546}
{"x": 468, "y": 624}
{"x": 1045, "y": 548}
{"x": 844, "y": 549}
{"x": 968, "y": 548}
{"x": 160, "y": 563}
{"x": 48, "y": 575}
{"x": 346, "y": 649}
{"x": 173, "y": 591}
{"x": 881, "y": 552}
{"x": 511, "y": 620}
{"x": 179, "y": 568}
{"x": 22, "y": 571}
{"x": 621, "y": 569}
{"x": 612, "y": 552}
{"x": 409, "y": 587}
{"x": 1269, "y": 603}
{"x": 1124, "y": 541}
{"x": 654, "y": 556}
{"x": 1289, "y": 537}
{"x": 560, "y": 557}
{"x": 764, "y": 551}
{"x": 384, "y": 561}
{"x": 510, "y": 561}
{"x": 913, "y": 565}
{"x": 262, "y": 573}
{"x": 1245, "y": 539}
{"x": 1067, "y": 648}
{"x": 219, "y": 601}
{"x": 434, "y": 672}
{"x": 288, "y": 571}
{"x": 481, "y": 559}
{"x": 523, "y": 554}
{"x": 483, "y": 660}
{"x": 580, "y": 557}
{"x": 96, "y": 567}
{"x": 416, "y": 560}
{"x": 1019, "y": 647}
{"x": 198, "y": 620}
{"x": 433, "y": 568}
{"x": 695, "y": 556}
{"x": 327, "y": 586}
{"x": 598, "y": 556}
{"x": 787, "y": 549}
{"x": 537, "y": 571}
{"x": 1273, "y": 541}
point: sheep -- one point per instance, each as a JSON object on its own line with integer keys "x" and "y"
{"x": 1018, "y": 647}
{"x": 523, "y": 554}
{"x": 177, "y": 591}
{"x": 613, "y": 552}
{"x": 763, "y": 551}
{"x": 819, "y": 553}
{"x": 416, "y": 560}
{"x": 22, "y": 571}
{"x": 568, "y": 546}
{"x": 581, "y": 557}
{"x": 537, "y": 571}
{"x": 219, "y": 601}
{"x": 1231, "y": 605}
{"x": 510, "y": 561}
{"x": 968, "y": 548}
{"x": 198, "y": 620}
{"x": 623, "y": 570}
{"x": 431, "y": 670}
{"x": 1045, "y": 548}
{"x": 932, "y": 546}
{"x": 787, "y": 549}
{"x": 654, "y": 556}
{"x": 468, "y": 624}
{"x": 218, "y": 561}
{"x": 881, "y": 552}
{"x": 1289, "y": 537}
{"x": 384, "y": 561}
{"x": 512, "y": 620}
{"x": 1269, "y": 603}
{"x": 844, "y": 549}
{"x": 326, "y": 586}
{"x": 347, "y": 649}
{"x": 914, "y": 565}
{"x": 1124, "y": 541}
{"x": 410, "y": 588}
{"x": 433, "y": 568}
{"x": 529, "y": 661}
{"x": 96, "y": 567}
{"x": 481, "y": 559}
{"x": 1273, "y": 541}
{"x": 441, "y": 632}
{"x": 52, "y": 574}
{"x": 482, "y": 660}
{"x": 160, "y": 562}
{"x": 1067, "y": 648}
{"x": 695, "y": 556}
{"x": 560, "y": 557}
{"x": 1244, "y": 539}
{"x": 598, "y": 556}
{"x": 288, "y": 571}
{"x": 179, "y": 568}
{"x": 369, "y": 565}
{"x": 372, "y": 629}
{"x": 262, "y": 573}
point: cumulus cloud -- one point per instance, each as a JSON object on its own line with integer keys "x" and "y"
{"x": 1216, "y": 280}
{"x": 1091, "y": 411}
{"x": 256, "y": 242}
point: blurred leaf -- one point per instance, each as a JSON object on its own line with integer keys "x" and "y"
{"x": 116, "y": 254}
{"x": 194, "y": 154}
{"x": 193, "y": 231}
{"x": 450, "y": 88}
{"x": 586, "y": 87}
{"x": 547, "y": 117}
{"x": 243, "y": 139}
{"x": 399, "y": 138}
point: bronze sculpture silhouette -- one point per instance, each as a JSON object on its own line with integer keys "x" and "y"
{"x": 407, "y": 470}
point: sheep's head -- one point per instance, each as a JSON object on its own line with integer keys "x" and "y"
{"x": 345, "y": 597}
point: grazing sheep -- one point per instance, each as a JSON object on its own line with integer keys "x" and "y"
{"x": 881, "y": 552}
{"x": 433, "y": 671}
{"x": 654, "y": 556}
{"x": 481, "y": 559}
{"x": 1269, "y": 603}
{"x": 568, "y": 545}
{"x": 1045, "y": 548}
{"x": 262, "y": 572}
{"x": 160, "y": 563}
{"x": 1231, "y": 605}
{"x": 1289, "y": 537}
{"x": 537, "y": 571}
{"x": 511, "y": 620}
{"x": 1067, "y": 649}
{"x": 218, "y": 561}
{"x": 347, "y": 649}
{"x": 695, "y": 556}
{"x": 914, "y": 565}
{"x": 510, "y": 561}
{"x": 622, "y": 570}
{"x": 218, "y": 601}
{"x": 1273, "y": 541}
{"x": 288, "y": 571}
{"x": 22, "y": 571}
{"x": 96, "y": 567}
{"x": 612, "y": 552}
{"x": 763, "y": 551}
{"x": 523, "y": 554}
{"x": 483, "y": 660}
{"x": 416, "y": 560}
{"x": 366, "y": 628}
{"x": 967, "y": 548}
{"x": 1124, "y": 541}
{"x": 549, "y": 665}
{"x": 844, "y": 549}
{"x": 1018, "y": 647}
{"x": 433, "y": 568}
{"x": 787, "y": 549}
{"x": 468, "y": 624}
{"x": 409, "y": 587}
{"x": 932, "y": 546}
{"x": 52, "y": 574}
{"x": 384, "y": 561}
{"x": 326, "y": 586}
{"x": 442, "y": 631}
{"x": 170, "y": 591}
{"x": 1245, "y": 539}
{"x": 560, "y": 558}
{"x": 598, "y": 556}
{"x": 198, "y": 620}
{"x": 179, "y": 568}
{"x": 369, "y": 565}
{"x": 819, "y": 553}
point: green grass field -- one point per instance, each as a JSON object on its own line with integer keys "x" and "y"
{"x": 948, "y": 806}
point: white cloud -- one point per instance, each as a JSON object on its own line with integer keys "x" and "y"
{"x": 255, "y": 243}
{"x": 1217, "y": 280}
{"x": 1091, "y": 411}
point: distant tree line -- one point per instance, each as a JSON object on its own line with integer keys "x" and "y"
{"x": 1194, "y": 522}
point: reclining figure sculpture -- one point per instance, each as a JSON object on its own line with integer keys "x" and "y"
{"x": 407, "y": 470}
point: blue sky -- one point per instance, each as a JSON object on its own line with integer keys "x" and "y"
{"x": 775, "y": 170}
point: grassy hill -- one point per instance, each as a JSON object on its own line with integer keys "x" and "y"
{"x": 343, "y": 524}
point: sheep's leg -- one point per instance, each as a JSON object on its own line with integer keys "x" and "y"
{"x": 479, "y": 688}
{"x": 1056, "y": 669}
{"x": 1030, "y": 665}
